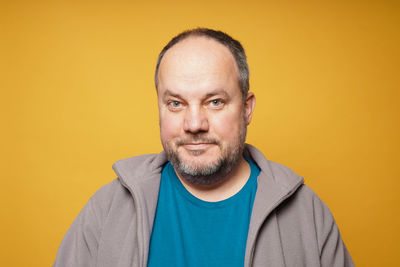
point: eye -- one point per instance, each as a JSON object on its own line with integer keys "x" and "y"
{"x": 174, "y": 104}
{"x": 216, "y": 103}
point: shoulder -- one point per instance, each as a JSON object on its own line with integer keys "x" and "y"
{"x": 136, "y": 169}
{"x": 283, "y": 175}
{"x": 105, "y": 194}
{"x": 316, "y": 225}
{"x": 108, "y": 197}
{"x": 132, "y": 174}
{"x": 307, "y": 202}
{"x": 307, "y": 212}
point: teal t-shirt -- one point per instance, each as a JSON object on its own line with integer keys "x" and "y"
{"x": 190, "y": 232}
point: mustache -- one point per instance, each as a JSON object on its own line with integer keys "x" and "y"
{"x": 197, "y": 139}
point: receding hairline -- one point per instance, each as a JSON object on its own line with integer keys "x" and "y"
{"x": 226, "y": 50}
{"x": 234, "y": 46}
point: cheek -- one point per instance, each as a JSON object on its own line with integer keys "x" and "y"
{"x": 169, "y": 126}
{"x": 227, "y": 127}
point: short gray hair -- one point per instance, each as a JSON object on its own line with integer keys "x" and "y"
{"x": 233, "y": 45}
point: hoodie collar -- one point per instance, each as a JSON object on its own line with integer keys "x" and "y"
{"x": 274, "y": 178}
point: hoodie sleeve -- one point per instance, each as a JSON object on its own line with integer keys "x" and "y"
{"x": 333, "y": 252}
{"x": 80, "y": 244}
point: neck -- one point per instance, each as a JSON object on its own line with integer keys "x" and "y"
{"x": 225, "y": 188}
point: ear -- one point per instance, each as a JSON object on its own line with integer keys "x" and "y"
{"x": 249, "y": 106}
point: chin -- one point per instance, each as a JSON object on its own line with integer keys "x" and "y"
{"x": 199, "y": 158}
{"x": 199, "y": 164}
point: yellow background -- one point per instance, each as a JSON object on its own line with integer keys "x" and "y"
{"x": 77, "y": 94}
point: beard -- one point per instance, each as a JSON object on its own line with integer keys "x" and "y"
{"x": 212, "y": 172}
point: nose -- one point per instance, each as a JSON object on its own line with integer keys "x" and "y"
{"x": 195, "y": 120}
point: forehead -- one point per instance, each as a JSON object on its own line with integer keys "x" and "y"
{"x": 197, "y": 61}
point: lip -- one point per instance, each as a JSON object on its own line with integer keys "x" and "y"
{"x": 197, "y": 146}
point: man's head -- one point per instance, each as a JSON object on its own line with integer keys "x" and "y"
{"x": 203, "y": 109}
{"x": 233, "y": 45}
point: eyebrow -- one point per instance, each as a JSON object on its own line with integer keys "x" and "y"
{"x": 168, "y": 93}
{"x": 217, "y": 92}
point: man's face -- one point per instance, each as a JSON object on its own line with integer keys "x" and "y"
{"x": 203, "y": 117}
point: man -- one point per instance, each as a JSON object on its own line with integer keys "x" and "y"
{"x": 208, "y": 199}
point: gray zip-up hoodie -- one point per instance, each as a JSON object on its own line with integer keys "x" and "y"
{"x": 290, "y": 226}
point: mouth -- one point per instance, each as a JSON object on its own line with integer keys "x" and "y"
{"x": 197, "y": 145}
